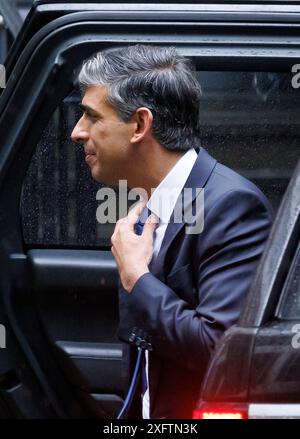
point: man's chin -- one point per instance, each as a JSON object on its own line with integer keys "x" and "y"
{"x": 99, "y": 177}
{"x": 96, "y": 175}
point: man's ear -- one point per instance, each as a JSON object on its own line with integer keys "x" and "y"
{"x": 142, "y": 119}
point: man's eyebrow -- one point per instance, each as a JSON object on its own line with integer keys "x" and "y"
{"x": 89, "y": 109}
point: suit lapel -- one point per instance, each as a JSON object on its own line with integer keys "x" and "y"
{"x": 198, "y": 177}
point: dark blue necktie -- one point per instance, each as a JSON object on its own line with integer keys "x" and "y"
{"x": 139, "y": 225}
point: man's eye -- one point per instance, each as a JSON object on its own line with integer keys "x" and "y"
{"x": 90, "y": 116}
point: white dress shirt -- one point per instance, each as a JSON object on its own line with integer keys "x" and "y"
{"x": 162, "y": 203}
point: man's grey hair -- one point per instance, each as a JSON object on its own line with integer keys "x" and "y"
{"x": 154, "y": 77}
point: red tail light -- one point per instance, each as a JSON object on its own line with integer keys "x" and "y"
{"x": 221, "y": 410}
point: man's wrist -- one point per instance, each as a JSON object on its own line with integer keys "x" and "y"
{"x": 129, "y": 280}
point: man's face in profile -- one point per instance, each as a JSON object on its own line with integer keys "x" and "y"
{"x": 106, "y": 138}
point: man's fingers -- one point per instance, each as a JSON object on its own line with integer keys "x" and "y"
{"x": 135, "y": 212}
{"x": 150, "y": 226}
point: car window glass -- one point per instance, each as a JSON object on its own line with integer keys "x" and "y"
{"x": 249, "y": 122}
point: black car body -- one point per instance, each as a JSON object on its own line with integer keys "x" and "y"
{"x": 58, "y": 280}
{"x": 254, "y": 372}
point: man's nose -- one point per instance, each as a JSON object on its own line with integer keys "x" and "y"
{"x": 79, "y": 133}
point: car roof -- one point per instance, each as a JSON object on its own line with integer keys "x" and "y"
{"x": 43, "y": 12}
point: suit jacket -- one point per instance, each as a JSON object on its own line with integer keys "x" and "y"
{"x": 196, "y": 288}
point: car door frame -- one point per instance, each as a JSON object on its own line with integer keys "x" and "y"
{"x": 56, "y": 43}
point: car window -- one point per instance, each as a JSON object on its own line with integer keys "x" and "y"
{"x": 289, "y": 306}
{"x": 249, "y": 122}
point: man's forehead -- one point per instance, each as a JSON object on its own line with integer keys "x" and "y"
{"x": 95, "y": 95}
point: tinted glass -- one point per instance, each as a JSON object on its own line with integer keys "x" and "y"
{"x": 249, "y": 122}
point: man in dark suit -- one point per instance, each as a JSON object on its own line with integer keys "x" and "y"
{"x": 182, "y": 282}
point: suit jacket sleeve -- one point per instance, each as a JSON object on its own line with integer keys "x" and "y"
{"x": 226, "y": 257}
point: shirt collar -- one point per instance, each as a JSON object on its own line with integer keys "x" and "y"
{"x": 165, "y": 195}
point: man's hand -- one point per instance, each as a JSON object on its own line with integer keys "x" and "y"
{"x": 133, "y": 252}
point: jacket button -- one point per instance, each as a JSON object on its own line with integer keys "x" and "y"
{"x": 138, "y": 341}
{"x": 132, "y": 337}
{"x": 144, "y": 344}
